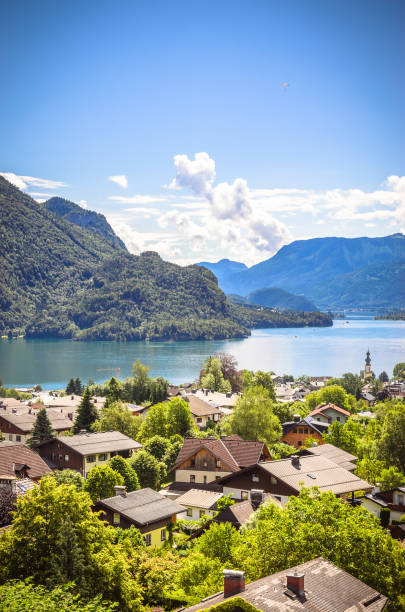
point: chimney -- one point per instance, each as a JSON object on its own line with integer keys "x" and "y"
{"x": 295, "y": 461}
{"x": 234, "y": 582}
{"x": 297, "y": 418}
{"x": 229, "y": 394}
{"x": 376, "y": 489}
{"x": 256, "y": 498}
{"x": 295, "y": 582}
{"x": 120, "y": 490}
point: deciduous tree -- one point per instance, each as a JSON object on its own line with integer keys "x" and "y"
{"x": 253, "y": 417}
{"x": 101, "y": 481}
{"x": 121, "y": 465}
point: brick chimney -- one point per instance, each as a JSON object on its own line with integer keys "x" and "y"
{"x": 296, "y": 418}
{"x": 295, "y": 461}
{"x": 295, "y": 582}
{"x": 120, "y": 490}
{"x": 234, "y": 582}
{"x": 256, "y": 498}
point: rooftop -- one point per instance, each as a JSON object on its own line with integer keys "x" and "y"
{"x": 327, "y": 589}
{"x": 199, "y": 407}
{"x": 322, "y": 407}
{"x": 232, "y": 450}
{"x": 199, "y": 498}
{"x": 335, "y": 454}
{"x": 14, "y": 453}
{"x": 89, "y": 443}
{"x": 143, "y": 507}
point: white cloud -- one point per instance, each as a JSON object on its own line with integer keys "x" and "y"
{"x": 138, "y": 199}
{"x": 119, "y": 179}
{"x": 82, "y": 203}
{"x": 233, "y": 220}
{"x": 22, "y": 182}
{"x": 147, "y": 212}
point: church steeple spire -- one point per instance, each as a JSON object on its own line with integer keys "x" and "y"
{"x": 368, "y": 358}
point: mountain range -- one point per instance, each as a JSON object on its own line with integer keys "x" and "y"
{"x": 65, "y": 275}
{"x": 275, "y": 298}
{"x": 334, "y": 273}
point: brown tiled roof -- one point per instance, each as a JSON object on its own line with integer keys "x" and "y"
{"x": 322, "y": 407}
{"x": 233, "y": 451}
{"x": 25, "y": 421}
{"x": 18, "y": 453}
{"x": 200, "y": 408}
{"x": 327, "y": 589}
{"x": 335, "y": 454}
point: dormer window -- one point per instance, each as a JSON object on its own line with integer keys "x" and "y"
{"x": 218, "y": 463}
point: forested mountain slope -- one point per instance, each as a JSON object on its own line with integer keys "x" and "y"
{"x": 324, "y": 270}
{"x": 84, "y": 218}
{"x": 62, "y": 280}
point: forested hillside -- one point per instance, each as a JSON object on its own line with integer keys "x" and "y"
{"x": 84, "y": 218}
{"x": 62, "y": 280}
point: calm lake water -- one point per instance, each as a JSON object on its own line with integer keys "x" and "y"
{"x": 314, "y": 351}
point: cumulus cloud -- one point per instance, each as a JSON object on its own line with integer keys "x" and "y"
{"x": 119, "y": 179}
{"x": 82, "y": 203}
{"x": 233, "y": 220}
{"x": 22, "y": 182}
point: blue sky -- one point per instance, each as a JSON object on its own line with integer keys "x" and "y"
{"x": 296, "y": 109}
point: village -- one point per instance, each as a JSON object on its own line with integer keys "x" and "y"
{"x": 175, "y": 469}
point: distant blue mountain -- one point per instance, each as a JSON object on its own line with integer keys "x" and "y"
{"x": 332, "y": 272}
{"x": 223, "y": 268}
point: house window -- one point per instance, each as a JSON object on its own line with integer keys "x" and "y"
{"x": 10, "y": 436}
{"x": 277, "y": 497}
{"x": 18, "y": 438}
{"x": 192, "y": 478}
{"x": 301, "y": 430}
{"x": 66, "y": 457}
{"x": 189, "y": 512}
{"x": 148, "y": 539}
{"x": 53, "y": 456}
{"x": 299, "y": 443}
{"x": 163, "y": 534}
{"x": 102, "y": 457}
{"x": 338, "y": 418}
{"x": 400, "y": 500}
{"x": 192, "y": 463}
{"x": 60, "y": 457}
{"x": 218, "y": 463}
{"x": 244, "y": 495}
{"x": 116, "y": 518}
{"x": 295, "y": 430}
{"x": 199, "y": 420}
{"x": 306, "y": 430}
{"x": 205, "y": 479}
{"x": 205, "y": 463}
{"x": 91, "y": 459}
{"x": 255, "y": 478}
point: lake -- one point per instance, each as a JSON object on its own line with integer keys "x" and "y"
{"x": 314, "y": 351}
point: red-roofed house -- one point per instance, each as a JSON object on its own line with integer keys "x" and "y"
{"x": 329, "y": 413}
{"x": 209, "y": 459}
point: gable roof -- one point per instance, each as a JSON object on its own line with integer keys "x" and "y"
{"x": 90, "y": 443}
{"x": 327, "y": 588}
{"x": 322, "y": 407}
{"x": 25, "y": 420}
{"x": 199, "y": 498}
{"x": 15, "y": 453}
{"x": 239, "y": 513}
{"x": 306, "y": 422}
{"x": 143, "y": 507}
{"x": 312, "y": 471}
{"x": 233, "y": 451}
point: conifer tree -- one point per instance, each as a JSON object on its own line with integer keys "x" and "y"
{"x": 42, "y": 429}
{"x": 70, "y": 388}
{"x": 86, "y": 413}
{"x": 78, "y": 386}
{"x": 67, "y": 560}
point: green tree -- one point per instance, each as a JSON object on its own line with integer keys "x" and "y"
{"x": 68, "y": 477}
{"x": 121, "y": 465}
{"x": 391, "y": 478}
{"x": 211, "y": 376}
{"x": 229, "y": 369}
{"x": 218, "y": 541}
{"x": 158, "y": 447}
{"x": 399, "y": 370}
{"x": 179, "y": 419}
{"x": 101, "y": 481}
{"x": 140, "y": 389}
{"x": 318, "y": 524}
{"x": 391, "y": 445}
{"x": 147, "y": 468}
{"x": 264, "y": 379}
{"x": 23, "y": 596}
{"x": 155, "y": 423}
{"x": 78, "y": 386}
{"x": 333, "y": 394}
{"x": 384, "y": 377}
{"x": 70, "y": 387}
{"x": 113, "y": 392}
{"x": 340, "y": 435}
{"x": 43, "y": 520}
{"x": 42, "y": 429}
{"x": 224, "y": 502}
{"x": 117, "y": 417}
{"x": 253, "y": 417}
{"x": 86, "y": 414}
